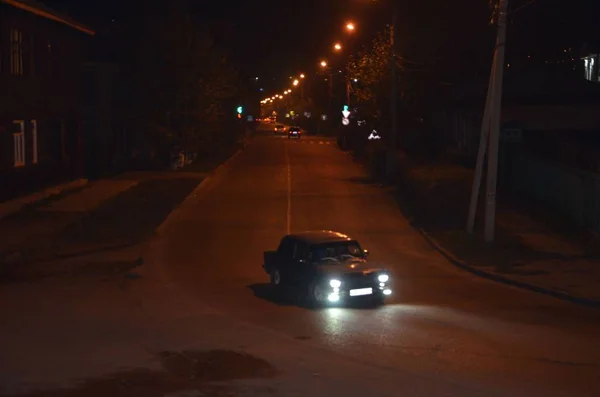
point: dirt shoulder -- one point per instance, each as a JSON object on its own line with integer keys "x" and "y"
{"x": 535, "y": 247}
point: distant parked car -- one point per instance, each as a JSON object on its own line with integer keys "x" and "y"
{"x": 325, "y": 267}
{"x": 279, "y": 129}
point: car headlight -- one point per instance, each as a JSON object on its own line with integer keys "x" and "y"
{"x": 383, "y": 278}
{"x": 335, "y": 283}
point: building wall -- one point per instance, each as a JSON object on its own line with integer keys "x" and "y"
{"x": 43, "y": 90}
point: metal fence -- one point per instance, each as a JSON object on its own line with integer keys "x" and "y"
{"x": 574, "y": 192}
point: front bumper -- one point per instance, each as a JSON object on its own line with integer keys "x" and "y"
{"x": 364, "y": 292}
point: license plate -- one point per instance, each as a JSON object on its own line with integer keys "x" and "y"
{"x": 361, "y": 291}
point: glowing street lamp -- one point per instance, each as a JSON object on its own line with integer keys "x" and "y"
{"x": 350, "y": 26}
{"x": 337, "y": 47}
{"x": 323, "y": 64}
{"x": 302, "y": 76}
{"x": 296, "y": 82}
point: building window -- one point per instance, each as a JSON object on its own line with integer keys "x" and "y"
{"x": 16, "y": 52}
{"x": 19, "y": 143}
{"x": 34, "y": 142}
{"x": 591, "y": 68}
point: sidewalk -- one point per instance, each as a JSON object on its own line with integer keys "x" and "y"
{"x": 535, "y": 248}
{"x": 105, "y": 215}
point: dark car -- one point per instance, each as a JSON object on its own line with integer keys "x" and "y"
{"x": 325, "y": 266}
{"x": 294, "y": 132}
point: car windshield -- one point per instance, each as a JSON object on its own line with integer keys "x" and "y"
{"x": 336, "y": 252}
{"x": 294, "y": 129}
{"x": 279, "y": 126}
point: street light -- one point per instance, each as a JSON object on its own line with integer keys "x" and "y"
{"x": 350, "y": 26}
{"x": 323, "y": 64}
{"x": 296, "y": 82}
{"x": 302, "y": 76}
{"x": 337, "y": 47}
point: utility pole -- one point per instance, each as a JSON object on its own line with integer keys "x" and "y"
{"x": 492, "y": 170}
{"x": 393, "y": 85}
{"x": 348, "y": 92}
{"x": 330, "y": 78}
{"x": 486, "y": 126}
{"x": 483, "y": 141}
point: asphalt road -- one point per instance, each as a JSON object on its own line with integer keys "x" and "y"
{"x": 441, "y": 324}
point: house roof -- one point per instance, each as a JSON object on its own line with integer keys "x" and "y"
{"x": 43, "y": 11}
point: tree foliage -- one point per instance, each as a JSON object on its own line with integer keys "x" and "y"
{"x": 178, "y": 83}
{"x": 371, "y": 68}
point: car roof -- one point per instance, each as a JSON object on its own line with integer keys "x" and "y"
{"x": 320, "y": 236}
{"x": 295, "y": 127}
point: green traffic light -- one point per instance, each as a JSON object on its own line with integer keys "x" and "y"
{"x": 240, "y": 109}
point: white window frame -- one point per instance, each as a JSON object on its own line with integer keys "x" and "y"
{"x": 19, "y": 144}
{"x": 34, "y": 141}
{"x": 16, "y": 52}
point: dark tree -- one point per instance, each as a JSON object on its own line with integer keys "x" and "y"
{"x": 177, "y": 82}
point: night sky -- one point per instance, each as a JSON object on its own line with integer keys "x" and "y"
{"x": 275, "y": 38}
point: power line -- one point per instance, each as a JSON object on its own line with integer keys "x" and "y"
{"x": 530, "y": 2}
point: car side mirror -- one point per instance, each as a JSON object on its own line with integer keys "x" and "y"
{"x": 366, "y": 253}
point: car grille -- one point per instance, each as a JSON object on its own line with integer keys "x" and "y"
{"x": 358, "y": 280}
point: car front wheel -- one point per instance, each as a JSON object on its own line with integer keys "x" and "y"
{"x": 316, "y": 295}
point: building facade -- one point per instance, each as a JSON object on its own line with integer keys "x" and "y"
{"x": 41, "y": 67}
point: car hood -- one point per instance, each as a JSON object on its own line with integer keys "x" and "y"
{"x": 354, "y": 266}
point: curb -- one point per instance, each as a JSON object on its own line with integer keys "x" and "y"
{"x": 505, "y": 280}
{"x": 71, "y": 255}
{"x": 10, "y": 207}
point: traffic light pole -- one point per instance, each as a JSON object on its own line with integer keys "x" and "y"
{"x": 392, "y": 152}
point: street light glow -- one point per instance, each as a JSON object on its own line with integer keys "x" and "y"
{"x": 302, "y": 75}
{"x": 337, "y": 46}
{"x": 350, "y": 26}
{"x": 296, "y": 82}
{"x": 323, "y": 64}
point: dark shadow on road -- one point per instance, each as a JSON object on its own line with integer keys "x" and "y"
{"x": 192, "y": 371}
{"x": 266, "y": 292}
